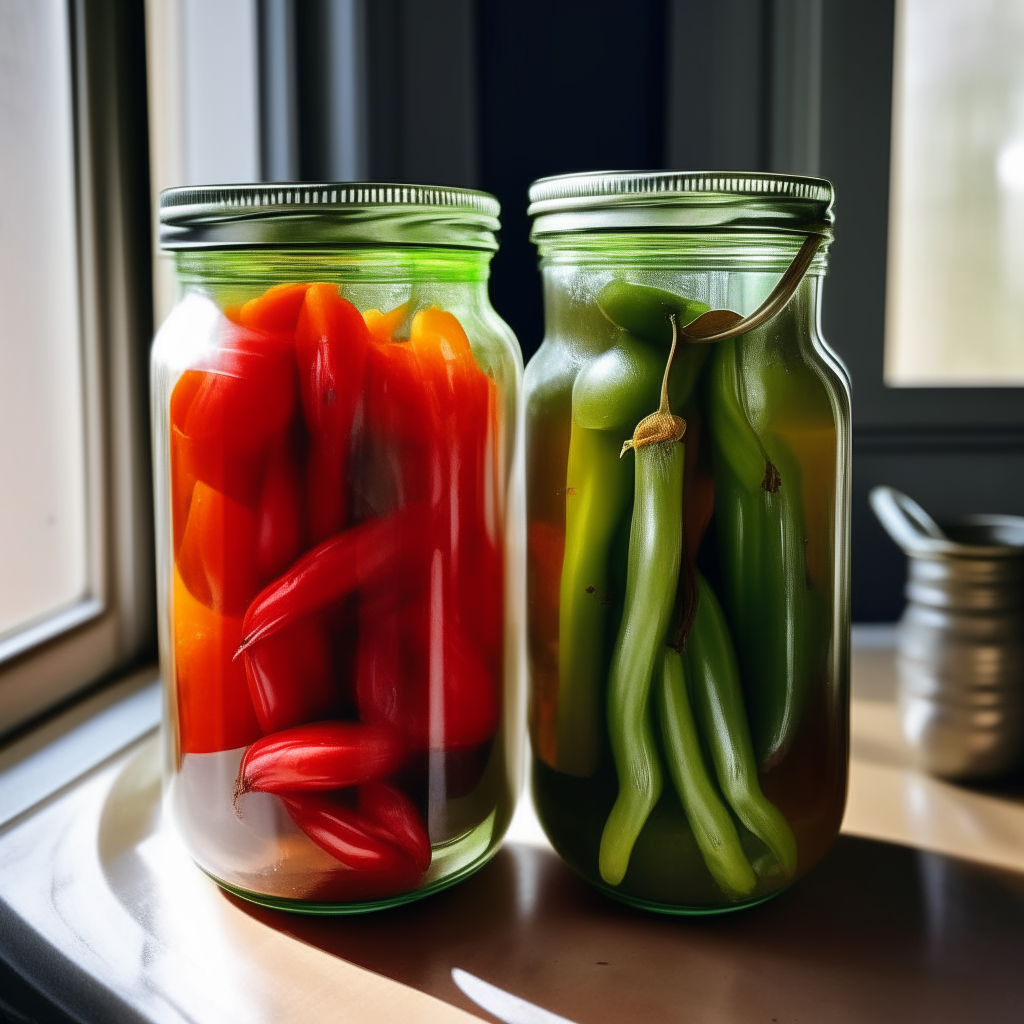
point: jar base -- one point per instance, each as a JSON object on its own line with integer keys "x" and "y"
{"x": 671, "y": 910}
{"x": 452, "y": 862}
{"x": 312, "y": 909}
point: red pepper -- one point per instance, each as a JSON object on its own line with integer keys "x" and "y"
{"x": 401, "y": 457}
{"x": 466, "y": 403}
{"x": 331, "y": 342}
{"x": 214, "y": 709}
{"x": 292, "y": 677}
{"x": 225, "y": 416}
{"x": 373, "y": 553}
{"x": 418, "y": 674}
{"x": 321, "y": 756}
{"x": 429, "y": 663}
{"x": 280, "y": 513}
{"x": 392, "y": 811}
{"x": 217, "y": 557}
{"x": 470, "y": 532}
{"x": 478, "y": 560}
{"x": 351, "y": 838}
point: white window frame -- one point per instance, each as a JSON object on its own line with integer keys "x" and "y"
{"x": 113, "y": 624}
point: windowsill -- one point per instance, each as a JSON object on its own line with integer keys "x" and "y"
{"x": 52, "y": 756}
{"x": 101, "y": 908}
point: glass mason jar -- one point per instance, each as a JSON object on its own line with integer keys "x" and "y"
{"x": 687, "y": 572}
{"x": 337, "y": 480}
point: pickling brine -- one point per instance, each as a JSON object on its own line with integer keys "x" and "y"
{"x": 687, "y": 507}
{"x": 335, "y": 433}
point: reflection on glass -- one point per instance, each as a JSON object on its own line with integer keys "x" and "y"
{"x": 956, "y": 248}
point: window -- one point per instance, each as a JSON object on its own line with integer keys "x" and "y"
{"x": 43, "y": 521}
{"x": 75, "y": 533}
{"x": 956, "y": 448}
{"x": 956, "y": 234}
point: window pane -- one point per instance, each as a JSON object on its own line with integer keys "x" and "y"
{"x": 42, "y": 472}
{"x": 956, "y": 261}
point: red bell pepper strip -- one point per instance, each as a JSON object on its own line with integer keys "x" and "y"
{"x": 372, "y": 553}
{"x": 292, "y": 676}
{"x": 470, "y": 532}
{"x": 331, "y": 342}
{"x": 429, "y": 664}
{"x": 466, "y": 401}
{"x": 393, "y": 812}
{"x": 280, "y": 514}
{"x": 349, "y": 837}
{"x": 469, "y": 705}
{"x": 214, "y": 709}
{"x": 217, "y": 557}
{"x": 416, "y": 673}
{"x": 403, "y": 457}
{"x": 225, "y": 415}
{"x": 320, "y": 756}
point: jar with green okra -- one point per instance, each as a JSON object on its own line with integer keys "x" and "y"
{"x": 688, "y": 476}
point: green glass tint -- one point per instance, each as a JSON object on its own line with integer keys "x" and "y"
{"x": 338, "y": 507}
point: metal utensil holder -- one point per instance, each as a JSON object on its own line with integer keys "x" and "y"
{"x": 960, "y": 649}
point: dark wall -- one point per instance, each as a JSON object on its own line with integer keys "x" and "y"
{"x": 493, "y": 94}
{"x": 570, "y": 85}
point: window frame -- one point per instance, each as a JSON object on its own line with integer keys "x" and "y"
{"x": 113, "y": 624}
{"x": 955, "y": 449}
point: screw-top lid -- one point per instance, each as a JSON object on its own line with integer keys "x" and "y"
{"x": 710, "y": 201}
{"x": 284, "y": 215}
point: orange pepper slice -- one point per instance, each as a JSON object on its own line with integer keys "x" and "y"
{"x": 382, "y": 326}
{"x": 277, "y": 309}
{"x": 215, "y": 711}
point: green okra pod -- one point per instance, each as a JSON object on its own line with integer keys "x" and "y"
{"x": 709, "y": 819}
{"x": 616, "y": 389}
{"x": 609, "y": 397}
{"x": 646, "y": 311}
{"x": 712, "y": 676}
{"x": 761, "y": 533}
{"x": 655, "y": 551}
{"x": 599, "y": 488}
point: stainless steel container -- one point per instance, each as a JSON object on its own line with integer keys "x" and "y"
{"x": 960, "y": 655}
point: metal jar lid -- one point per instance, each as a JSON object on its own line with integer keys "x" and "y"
{"x": 287, "y": 215}
{"x": 673, "y": 201}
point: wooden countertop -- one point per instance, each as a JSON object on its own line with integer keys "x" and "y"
{"x": 891, "y": 800}
{"x": 917, "y": 914}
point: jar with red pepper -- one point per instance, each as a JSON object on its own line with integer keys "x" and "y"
{"x": 336, "y": 457}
